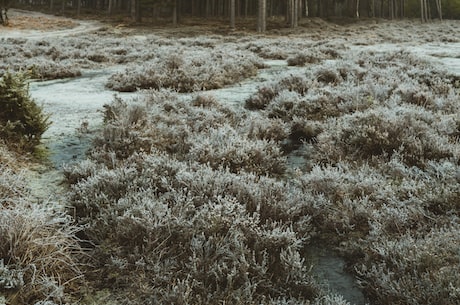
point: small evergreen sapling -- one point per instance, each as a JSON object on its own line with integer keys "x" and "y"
{"x": 22, "y": 121}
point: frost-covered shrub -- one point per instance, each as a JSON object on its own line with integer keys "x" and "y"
{"x": 213, "y": 134}
{"x": 381, "y": 131}
{"x": 38, "y": 255}
{"x": 160, "y": 120}
{"x": 225, "y": 147}
{"x": 262, "y": 98}
{"x": 268, "y": 49}
{"x": 297, "y": 84}
{"x": 194, "y": 234}
{"x": 188, "y": 70}
{"x": 267, "y": 129}
{"x": 205, "y": 101}
{"x": 301, "y": 59}
{"x": 12, "y": 185}
{"x": 304, "y": 130}
{"x": 39, "y": 250}
{"x": 328, "y": 76}
{"x": 413, "y": 268}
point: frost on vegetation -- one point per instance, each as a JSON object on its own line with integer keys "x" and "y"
{"x": 187, "y": 70}
{"x": 39, "y": 253}
{"x": 383, "y": 168}
{"x": 414, "y": 268}
{"x": 224, "y": 147}
{"x": 214, "y": 135}
{"x": 39, "y": 250}
{"x": 381, "y": 131}
{"x": 194, "y": 233}
{"x": 12, "y": 186}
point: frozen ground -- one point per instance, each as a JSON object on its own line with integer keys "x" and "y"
{"x": 76, "y": 104}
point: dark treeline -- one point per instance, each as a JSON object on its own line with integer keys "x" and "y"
{"x": 291, "y": 10}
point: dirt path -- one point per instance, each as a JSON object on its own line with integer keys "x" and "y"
{"x": 35, "y": 25}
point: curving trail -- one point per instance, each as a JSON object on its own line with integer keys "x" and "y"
{"x": 35, "y": 25}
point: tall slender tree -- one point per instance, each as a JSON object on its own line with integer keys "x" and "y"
{"x": 232, "y": 13}
{"x": 262, "y": 16}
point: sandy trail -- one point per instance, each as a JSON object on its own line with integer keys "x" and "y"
{"x": 35, "y": 25}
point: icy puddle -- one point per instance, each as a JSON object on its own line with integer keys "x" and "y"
{"x": 75, "y": 107}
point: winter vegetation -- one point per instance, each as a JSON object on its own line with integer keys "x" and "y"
{"x": 22, "y": 121}
{"x": 204, "y": 193}
{"x": 186, "y": 199}
{"x": 187, "y": 70}
{"x": 39, "y": 250}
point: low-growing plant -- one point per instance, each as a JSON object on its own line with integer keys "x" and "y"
{"x": 413, "y": 268}
{"x": 198, "y": 234}
{"x": 301, "y": 59}
{"x": 187, "y": 71}
{"x": 225, "y": 147}
{"x": 38, "y": 255}
{"x": 22, "y": 121}
{"x": 381, "y": 131}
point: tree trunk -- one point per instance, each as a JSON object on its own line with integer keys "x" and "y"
{"x": 262, "y": 16}
{"x": 294, "y": 18}
{"x": 174, "y": 13}
{"x": 357, "y": 9}
{"x": 439, "y": 7}
{"x": 232, "y": 14}
{"x": 78, "y": 8}
{"x": 307, "y": 14}
{"x": 422, "y": 10}
{"x": 110, "y": 8}
{"x": 207, "y": 12}
{"x": 133, "y": 9}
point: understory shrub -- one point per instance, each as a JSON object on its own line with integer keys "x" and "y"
{"x": 214, "y": 135}
{"x": 411, "y": 131}
{"x": 22, "y": 121}
{"x": 413, "y": 268}
{"x": 180, "y": 232}
{"x": 188, "y": 71}
{"x": 380, "y": 133}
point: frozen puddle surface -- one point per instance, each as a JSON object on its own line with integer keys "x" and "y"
{"x": 75, "y": 108}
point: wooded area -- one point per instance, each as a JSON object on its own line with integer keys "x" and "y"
{"x": 291, "y": 10}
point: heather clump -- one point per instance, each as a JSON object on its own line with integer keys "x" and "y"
{"x": 224, "y": 147}
{"x": 413, "y": 268}
{"x": 188, "y": 70}
{"x": 214, "y": 135}
{"x": 302, "y": 59}
{"x": 378, "y": 133}
{"x": 39, "y": 255}
{"x": 412, "y": 132}
{"x": 208, "y": 232}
